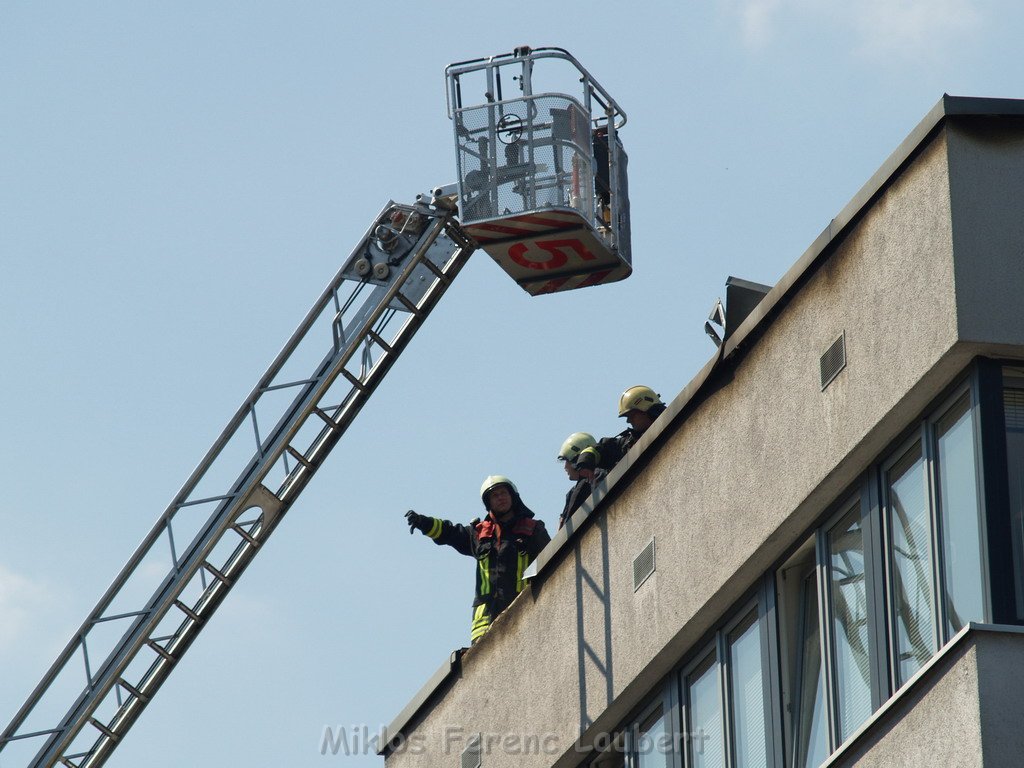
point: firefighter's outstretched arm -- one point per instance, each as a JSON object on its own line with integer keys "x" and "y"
{"x": 443, "y": 532}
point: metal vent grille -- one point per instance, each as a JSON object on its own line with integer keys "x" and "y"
{"x": 643, "y": 565}
{"x": 471, "y": 755}
{"x": 833, "y": 361}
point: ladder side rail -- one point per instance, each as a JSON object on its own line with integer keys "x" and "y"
{"x": 192, "y": 562}
{"x": 294, "y": 484}
{"x": 161, "y": 526}
{"x": 238, "y": 500}
{"x": 330, "y": 367}
{"x": 329, "y": 436}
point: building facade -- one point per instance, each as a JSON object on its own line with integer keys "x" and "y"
{"x": 816, "y": 554}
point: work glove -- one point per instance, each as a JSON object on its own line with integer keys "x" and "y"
{"x": 418, "y": 522}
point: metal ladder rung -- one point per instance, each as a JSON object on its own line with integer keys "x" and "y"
{"x": 379, "y": 341}
{"x": 187, "y": 611}
{"x": 353, "y": 380}
{"x": 437, "y": 271}
{"x": 327, "y": 419}
{"x": 68, "y": 763}
{"x": 103, "y": 729}
{"x": 300, "y": 458}
{"x": 217, "y": 574}
{"x": 409, "y": 304}
{"x": 245, "y": 534}
{"x": 133, "y": 691}
{"x": 161, "y": 651}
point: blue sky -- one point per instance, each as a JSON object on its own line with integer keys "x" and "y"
{"x": 178, "y": 182}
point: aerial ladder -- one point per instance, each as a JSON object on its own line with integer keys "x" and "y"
{"x": 541, "y": 189}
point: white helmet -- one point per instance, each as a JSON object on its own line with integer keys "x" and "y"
{"x": 493, "y": 481}
{"x": 574, "y": 444}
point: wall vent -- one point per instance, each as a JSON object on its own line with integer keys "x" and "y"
{"x": 833, "y": 361}
{"x": 471, "y": 755}
{"x": 643, "y": 565}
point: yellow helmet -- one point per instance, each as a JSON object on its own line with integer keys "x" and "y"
{"x": 491, "y": 482}
{"x": 638, "y": 399}
{"x": 575, "y": 443}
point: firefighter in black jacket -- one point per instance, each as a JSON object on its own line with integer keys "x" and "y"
{"x": 640, "y": 406}
{"x": 573, "y": 446}
{"x": 504, "y": 543}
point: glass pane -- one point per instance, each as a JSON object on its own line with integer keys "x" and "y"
{"x": 748, "y": 701}
{"x": 653, "y": 743}
{"x": 911, "y": 578}
{"x": 704, "y": 731}
{"x": 812, "y": 726}
{"x": 961, "y": 518}
{"x": 1013, "y": 404}
{"x": 848, "y": 598}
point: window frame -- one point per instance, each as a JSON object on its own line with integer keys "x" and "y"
{"x": 663, "y": 700}
{"x": 860, "y": 499}
{"x": 991, "y": 379}
{"x": 970, "y": 390}
{"x": 709, "y": 651}
{"x": 892, "y": 458}
{"x": 742, "y": 622}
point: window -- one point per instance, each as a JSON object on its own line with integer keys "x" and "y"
{"x": 848, "y": 602}
{"x": 960, "y": 516}
{"x": 803, "y": 675}
{"x": 935, "y": 527}
{"x": 747, "y": 694}
{"x": 705, "y": 730}
{"x": 910, "y": 563}
{"x": 653, "y": 741}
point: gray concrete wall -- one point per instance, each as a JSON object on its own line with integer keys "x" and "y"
{"x": 1000, "y": 659}
{"x": 731, "y": 489}
{"x": 986, "y": 159}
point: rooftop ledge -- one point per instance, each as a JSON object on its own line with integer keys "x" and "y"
{"x": 732, "y": 348}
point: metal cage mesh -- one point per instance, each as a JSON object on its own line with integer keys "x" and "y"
{"x": 523, "y": 155}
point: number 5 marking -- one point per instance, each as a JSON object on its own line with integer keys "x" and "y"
{"x": 556, "y": 248}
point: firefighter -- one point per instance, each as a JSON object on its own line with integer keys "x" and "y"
{"x": 640, "y": 406}
{"x": 575, "y": 444}
{"x": 504, "y": 543}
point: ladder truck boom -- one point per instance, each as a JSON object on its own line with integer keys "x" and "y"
{"x": 241, "y": 489}
{"x": 541, "y": 188}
